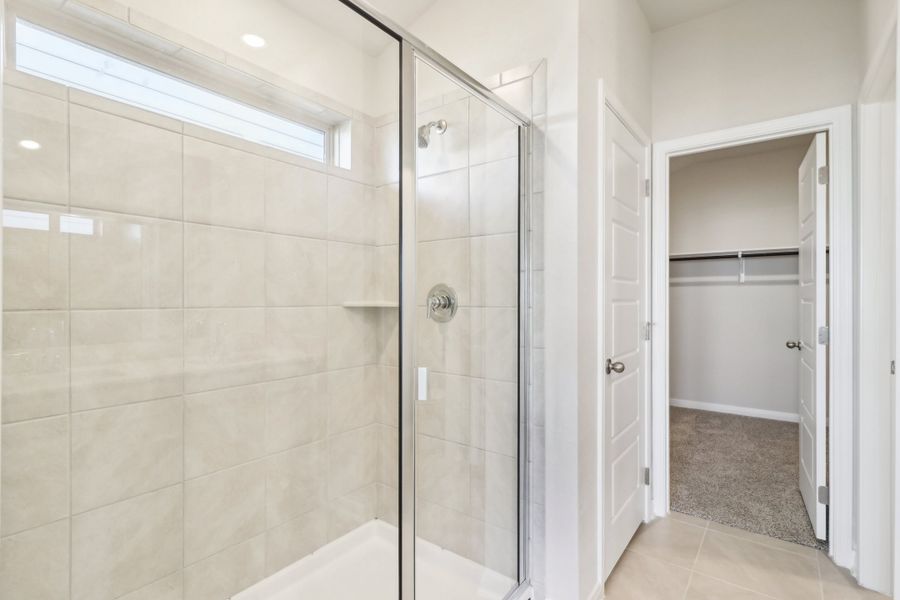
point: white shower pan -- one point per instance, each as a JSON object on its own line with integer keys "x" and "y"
{"x": 363, "y": 564}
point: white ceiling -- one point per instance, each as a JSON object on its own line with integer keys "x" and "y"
{"x": 666, "y": 13}
{"x": 337, "y": 18}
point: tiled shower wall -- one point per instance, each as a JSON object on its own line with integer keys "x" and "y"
{"x": 187, "y": 404}
{"x": 466, "y": 221}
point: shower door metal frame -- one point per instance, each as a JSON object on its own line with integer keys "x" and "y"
{"x": 411, "y": 50}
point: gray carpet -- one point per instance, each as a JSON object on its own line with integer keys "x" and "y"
{"x": 738, "y": 471}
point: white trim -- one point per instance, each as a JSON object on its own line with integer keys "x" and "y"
{"x": 838, "y": 122}
{"x": 744, "y": 411}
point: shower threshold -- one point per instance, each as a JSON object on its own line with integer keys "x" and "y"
{"x": 363, "y": 564}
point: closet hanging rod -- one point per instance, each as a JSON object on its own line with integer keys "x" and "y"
{"x": 735, "y": 254}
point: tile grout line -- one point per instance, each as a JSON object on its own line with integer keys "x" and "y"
{"x": 691, "y": 571}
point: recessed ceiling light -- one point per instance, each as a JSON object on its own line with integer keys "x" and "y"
{"x": 253, "y": 40}
{"x": 30, "y": 144}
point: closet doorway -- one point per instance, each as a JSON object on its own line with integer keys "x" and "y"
{"x": 747, "y": 274}
{"x": 752, "y": 270}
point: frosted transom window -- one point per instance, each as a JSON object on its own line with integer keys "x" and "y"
{"x": 52, "y": 56}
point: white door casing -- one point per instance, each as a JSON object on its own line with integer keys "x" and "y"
{"x": 813, "y": 198}
{"x": 625, "y": 280}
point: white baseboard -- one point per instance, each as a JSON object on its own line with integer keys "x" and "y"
{"x": 736, "y": 410}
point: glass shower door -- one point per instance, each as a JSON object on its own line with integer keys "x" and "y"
{"x": 467, "y": 344}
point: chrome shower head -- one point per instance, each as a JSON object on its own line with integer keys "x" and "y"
{"x": 425, "y": 131}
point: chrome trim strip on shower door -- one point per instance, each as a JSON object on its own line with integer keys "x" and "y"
{"x": 407, "y": 321}
{"x": 435, "y": 59}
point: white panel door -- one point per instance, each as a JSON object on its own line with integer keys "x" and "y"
{"x": 813, "y": 366}
{"x": 624, "y": 492}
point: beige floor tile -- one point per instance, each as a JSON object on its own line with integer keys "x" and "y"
{"x": 707, "y": 588}
{"x": 689, "y": 519}
{"x": 757, "y": 567}
{"x": 838, "y": 584}
{"x": 764, "y": 540}
{"x": 640, "y": 577}
{"x": 671, "y": 540}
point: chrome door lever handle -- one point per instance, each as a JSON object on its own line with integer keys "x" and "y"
{"x": 618, "y": 367}
{"x": 794, "y": 345}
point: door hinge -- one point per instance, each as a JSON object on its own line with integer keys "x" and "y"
{"x": 648, "y": 328}
{"x": 823, "y": 495}
{"x": 823, "y": 175}
{"x": 824, "y": 335}
{"x": 647, "y": 188}
{"x": 646, "y": 475}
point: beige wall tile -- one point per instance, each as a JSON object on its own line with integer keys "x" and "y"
{"x": 494, "y": 270}
{"x": 125, "y": 166}
{"x": 34, "y": 564}
{"x": 223, "y": 186}
{"x": 296, "y": 341}
{"x": 386, "y": 285}
{"x": 35, "y": 365}
{"x": 387, "y": 153}
{"x": 446, "y": 347}
{"x": 352, "y": 337}
{"x": 446, "y": 414}
{"x": 122, "y": 356}
{"x": 34, "y": 473}
{"x": 296, "y": 271}
{"x": 296, "y": 411}
{"x": 226, "y": 573}
{"x": 442, "y": 205}
{"x": 351, "y": 273}
{"x": 223, "y": 428}
{"x": 388, "y": 456}
{"x": 223, "y": 509}
{"x": 495, "y": 348}
{"x": 122, "y": 261}
{"x": 494, "y": 197}
{"x": 35, "y": 257}
{"x": 500, "y": 490}
{"x": 387, "y": 199}
{"x": 291, "y": 541}
{"x": 350, "y": 511}
{"x": 170, "y": 587}
{"x": 447, "y": 262}
{"x": 352, "y": 458}
{"x": 296, "y": 482}
{"x": 125, "y": 546}
{"x": 223, "y": 267}
{"x": 41, "y": 174}
{"x": 352, "y": 398}
{"x": 448, "y": 151}
{"x": 501, "y": 551}
{"x": 492, "y": 136}
{"x": 496, "y": 405}
{"x": 125, "y": 451}
{"x": 443, "y": 473}
{"x": 296, "y": 200}
{"x": 352, "y": 211}
{"x": 450, "y": 529}
{"x": 223, "y": 347}
{"x": 388, "y": 504}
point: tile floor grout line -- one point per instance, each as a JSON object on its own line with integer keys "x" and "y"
{"x": 694, "y": 562}
{"x": 819, "y": 575}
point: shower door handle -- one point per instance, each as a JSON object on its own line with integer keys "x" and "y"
{"x": 618, "y": 367}
{"x": 791, "y": 344}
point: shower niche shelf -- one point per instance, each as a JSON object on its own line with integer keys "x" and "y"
{"x": 371, "y": 304}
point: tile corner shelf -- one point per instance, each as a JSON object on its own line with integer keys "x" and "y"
{"x": 371, "y": 304}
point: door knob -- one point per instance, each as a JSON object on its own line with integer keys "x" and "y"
{"x": 794, "y": 345}
{"x": 611, "y": 366}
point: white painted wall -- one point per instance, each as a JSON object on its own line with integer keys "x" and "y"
{"x": 753, "y": 61}
{"x": 727, "y": 340}
{"x": 738, "y": 203}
